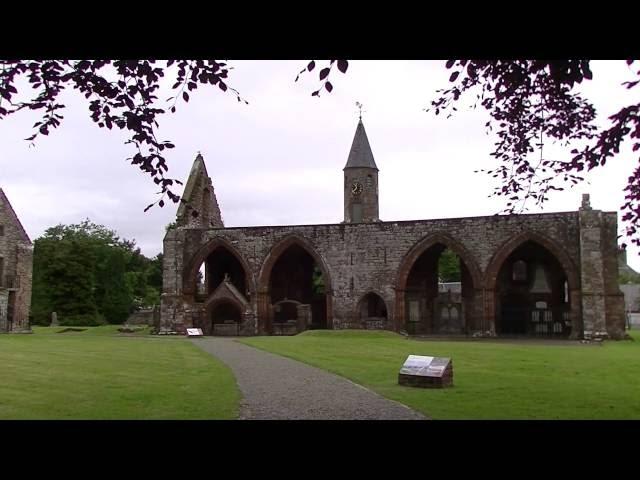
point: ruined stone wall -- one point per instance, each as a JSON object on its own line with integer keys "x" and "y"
{"x": 24, "y": 272}
{"x": 360, "y": 258}
{"x": 614, "y": 297}
{"x": 16, "y": 254}
{"x": 4, "y": 306}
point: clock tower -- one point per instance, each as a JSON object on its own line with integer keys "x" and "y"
{"x": 360, "y": 181}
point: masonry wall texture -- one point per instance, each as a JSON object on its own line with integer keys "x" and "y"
{"x": 374, "y": 256}
{"x": 16, "y": 264}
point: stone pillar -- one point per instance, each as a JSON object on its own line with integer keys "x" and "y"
{"x": 171, "y": 313}
{"x": 304, "y": 317}
{"x": 54, "y": 319}
{"x": 474, "y": 311}
{"x": 263, "y": 312}
{"x": 400, "y": 311}
{"x": 329, "y": 297}
{"x": 22, "y": 306}
{"x": 592, "y": 271}
{"x": 249, "y": 324}
{"x": 171, "y": 302}
{"x": 575, "y": 302}
{"x": 488, "y": 323}
{"x": 4, "y": 310}
{"x": 615, "y": 316}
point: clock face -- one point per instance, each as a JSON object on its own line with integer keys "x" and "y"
{"x": 356, "y": 188}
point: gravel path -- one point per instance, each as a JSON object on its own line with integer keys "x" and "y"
{"x": 278, "y": 388}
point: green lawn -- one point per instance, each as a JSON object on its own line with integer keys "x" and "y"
{"x": 492, "y": 380}
{"x": 97, "y": 374}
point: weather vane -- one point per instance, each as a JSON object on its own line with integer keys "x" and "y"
{"x": 359, "y": 105}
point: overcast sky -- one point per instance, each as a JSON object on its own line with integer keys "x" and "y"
{"x": 279, "y": 160}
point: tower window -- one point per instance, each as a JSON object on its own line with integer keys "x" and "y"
{"x": 1, "y": 230}
{"x": 369, "y": 181}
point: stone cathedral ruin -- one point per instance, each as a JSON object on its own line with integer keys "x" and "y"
{"x": 551, "y": 274}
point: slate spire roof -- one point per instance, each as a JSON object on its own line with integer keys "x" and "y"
{"x": 360, "y": 155}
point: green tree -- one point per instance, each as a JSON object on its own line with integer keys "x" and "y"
{"x": 63, "y": 281}
{"x": 88, "y": 275}
{"x": 449, "y": 267}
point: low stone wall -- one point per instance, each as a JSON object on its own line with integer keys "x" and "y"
{"x": 142, "y": 317}
{"x": 285, "y": 328}
{"x": 226, "y": 329}
{"x": 375, "y": 323}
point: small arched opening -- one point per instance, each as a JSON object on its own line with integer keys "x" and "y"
{"x": 225, "y": 319}
{"x": 372, "y": 311}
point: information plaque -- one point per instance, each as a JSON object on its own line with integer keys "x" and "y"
{"x": 194, "y": 332}
{"x": 426, "y": 372}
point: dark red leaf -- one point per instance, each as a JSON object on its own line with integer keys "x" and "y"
{"x": 328, "y": 86}
{"x": 185, "y": 96}
{"x": 311, "y": 66}
{"x": 450, "y": 63}
{"x": 453, "y": 76}
{"x": 324, "y": 72}
{"x": 343, "y": 65}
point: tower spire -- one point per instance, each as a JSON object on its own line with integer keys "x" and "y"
{"x": 360, "y": 180}
{"x": 360, "y": 155}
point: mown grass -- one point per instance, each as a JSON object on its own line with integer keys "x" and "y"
{"x": 492, "y": 380}
{"x": 98, "y": 374}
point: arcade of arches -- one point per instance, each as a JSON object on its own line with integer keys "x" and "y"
{"x": 540, "y": 275}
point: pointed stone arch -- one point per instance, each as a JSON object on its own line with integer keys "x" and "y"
{"x": 415, "y": 253}
{"x": 557, "y": 251}
{"x": 279, "y": 248}
{"x": 357, "y": 313}
{"x": 265, "y": 274}
{"x": 426, "y": 243}
{"x": 508, "y": 247}
{"x": 191, "y": 271}
{"x": 212, "y": 304}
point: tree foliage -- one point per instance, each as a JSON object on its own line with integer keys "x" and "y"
{"x": 88, "y": 276}
{"x": 120, "y": 93}
{"x": 528, "y": 101}
{"x": 449, "y": 267}
{"x": 533, "y": 100}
